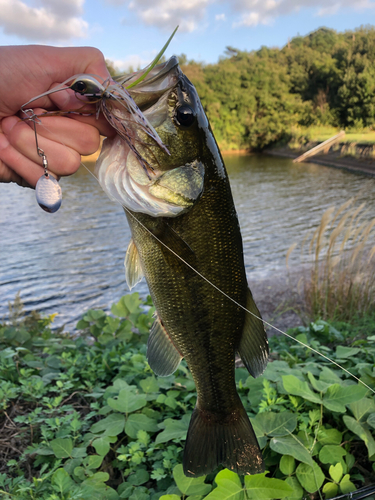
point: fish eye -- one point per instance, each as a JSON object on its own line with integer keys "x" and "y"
{"x": 185, "y": 116}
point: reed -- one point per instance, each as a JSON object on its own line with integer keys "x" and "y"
{"x": 338, "y": 281}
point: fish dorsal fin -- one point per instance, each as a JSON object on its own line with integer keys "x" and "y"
{"x": 253, "y": 347}
{"x": 162, "y": 355}
{"x": 132, "y": 263}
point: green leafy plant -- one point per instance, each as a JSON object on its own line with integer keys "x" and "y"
{"x": 84, "y": 417}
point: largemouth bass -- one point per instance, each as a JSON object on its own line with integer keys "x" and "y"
{"x": 186, "y": 241}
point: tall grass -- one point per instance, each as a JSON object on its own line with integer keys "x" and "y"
{"x": 338, "y": 281}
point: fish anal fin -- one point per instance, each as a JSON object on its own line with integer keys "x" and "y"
{"x": 162, "y": 355}
{"x": 133, "y": 267}
{"x": 253, "y": 347}
{"x": 214, "y": 440}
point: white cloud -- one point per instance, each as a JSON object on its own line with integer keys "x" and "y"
{"x": 190, "y": 14}
{"x": 51, "y": 20}
{"x": 132, "y": 62}
{"x": 328, "y": 11}
{"x": 167, "y": 14}
{"x": 254, "y": 12}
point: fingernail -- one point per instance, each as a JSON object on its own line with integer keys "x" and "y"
{"x": 4, "y": 143}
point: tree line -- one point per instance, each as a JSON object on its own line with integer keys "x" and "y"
{"x": 254, "y": 99}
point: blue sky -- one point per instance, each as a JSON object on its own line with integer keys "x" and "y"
{"x": 131, "y": 32}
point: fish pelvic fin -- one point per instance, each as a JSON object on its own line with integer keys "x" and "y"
{"x": 133, "y": 267}
{"x": 162, "y": 355}
{"x": 253, "y": 347}
{"x": 214, "y": 440}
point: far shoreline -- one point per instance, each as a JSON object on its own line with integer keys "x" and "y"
{"x": 356, "y": 164}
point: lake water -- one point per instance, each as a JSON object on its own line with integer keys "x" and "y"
{"x": 72, "y": 260}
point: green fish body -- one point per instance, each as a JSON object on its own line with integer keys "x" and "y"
{"x": 186, "y": 241}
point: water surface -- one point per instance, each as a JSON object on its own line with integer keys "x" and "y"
{"x": 72, "y": 260}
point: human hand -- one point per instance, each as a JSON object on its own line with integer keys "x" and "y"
{"x": 28, "y": 71}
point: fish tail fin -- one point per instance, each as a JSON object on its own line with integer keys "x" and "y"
{"x": 214, "y": 440}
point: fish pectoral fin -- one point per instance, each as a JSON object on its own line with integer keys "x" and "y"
{"x": 181, "y": 186}
{"x": 253, "y": 348}
{"x": 162, "y": 355}
{"x": 176, "y": 251}
{"x": 133, "y": 267}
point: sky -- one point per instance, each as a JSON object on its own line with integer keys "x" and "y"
{"x": 131, "y": 32}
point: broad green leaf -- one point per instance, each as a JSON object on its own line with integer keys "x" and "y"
{"x": 96, "y": 489}
{"x": 190, "y": 485}
{"x": 330, "y": 490}
{"x": 287, "y": 465}
{"x": 261, "y": 438}
{"x": 290, "y": 445}
{"x": 229, "y": 487}
{"x": 112, "y": 325}
{"x": 127, "y": 401}
{"x": 141, "y": 476}
{"x": 112, "y": 425}
{"x": 137, "y": 422}
{"x": 361, "y": 431}
{"x": 79, "y": 452}
{"x": 61, "y": 481}
{"x": 329, "y": 436}
{"x": 349, "y": 460}
{"x": 93, "y": 461}
{"x": 102, "y": 444}
{"x": 170, "y": 497}
{"x": 343, "y": 352}
{"x": 331, "y": 454}
{"x": 120, "y": 309}
{"x": 62, "y": 448}
{"x": 259, "y": 487}
{"x": 311, "y": 478}
{"x": 330, "y": 376}
{"x": 277, "y": 424}
{"x": 371, "y": 420}
{"x": 149, "y": 384}
{"x": 336, "y": 472}
{"x": 346, "y": 486}
{"x": 174, "y": 429}
{"x": 361, "y": 408}
{"x": 296, "y": 387}
{"x": 297, "y": 488}
{"x": 337, "y": 396}
{"x": 318, "y": 385}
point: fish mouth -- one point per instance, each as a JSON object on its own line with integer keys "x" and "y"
{"x": 158, "y": 81}
{"x": 119, "y": 170}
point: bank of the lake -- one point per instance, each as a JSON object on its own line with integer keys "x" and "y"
{"x": 354, "y": 157}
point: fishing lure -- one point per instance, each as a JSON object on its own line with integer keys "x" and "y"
{"x": 116, "y": 104}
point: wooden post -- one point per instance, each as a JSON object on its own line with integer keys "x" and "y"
{"x": 320, "y": 147}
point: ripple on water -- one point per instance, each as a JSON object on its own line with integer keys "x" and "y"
{"x": 72, "y": 260}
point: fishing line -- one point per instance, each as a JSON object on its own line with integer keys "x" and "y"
{"x": 216, "y": 287}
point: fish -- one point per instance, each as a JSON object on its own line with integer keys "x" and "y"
{"x": 186, "y": 242}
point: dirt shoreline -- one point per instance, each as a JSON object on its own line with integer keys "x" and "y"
{"x": 364, "y": 165}
{"x": 278, "y": 299}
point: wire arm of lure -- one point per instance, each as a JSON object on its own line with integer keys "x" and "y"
{"x": 64, "y": 86}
